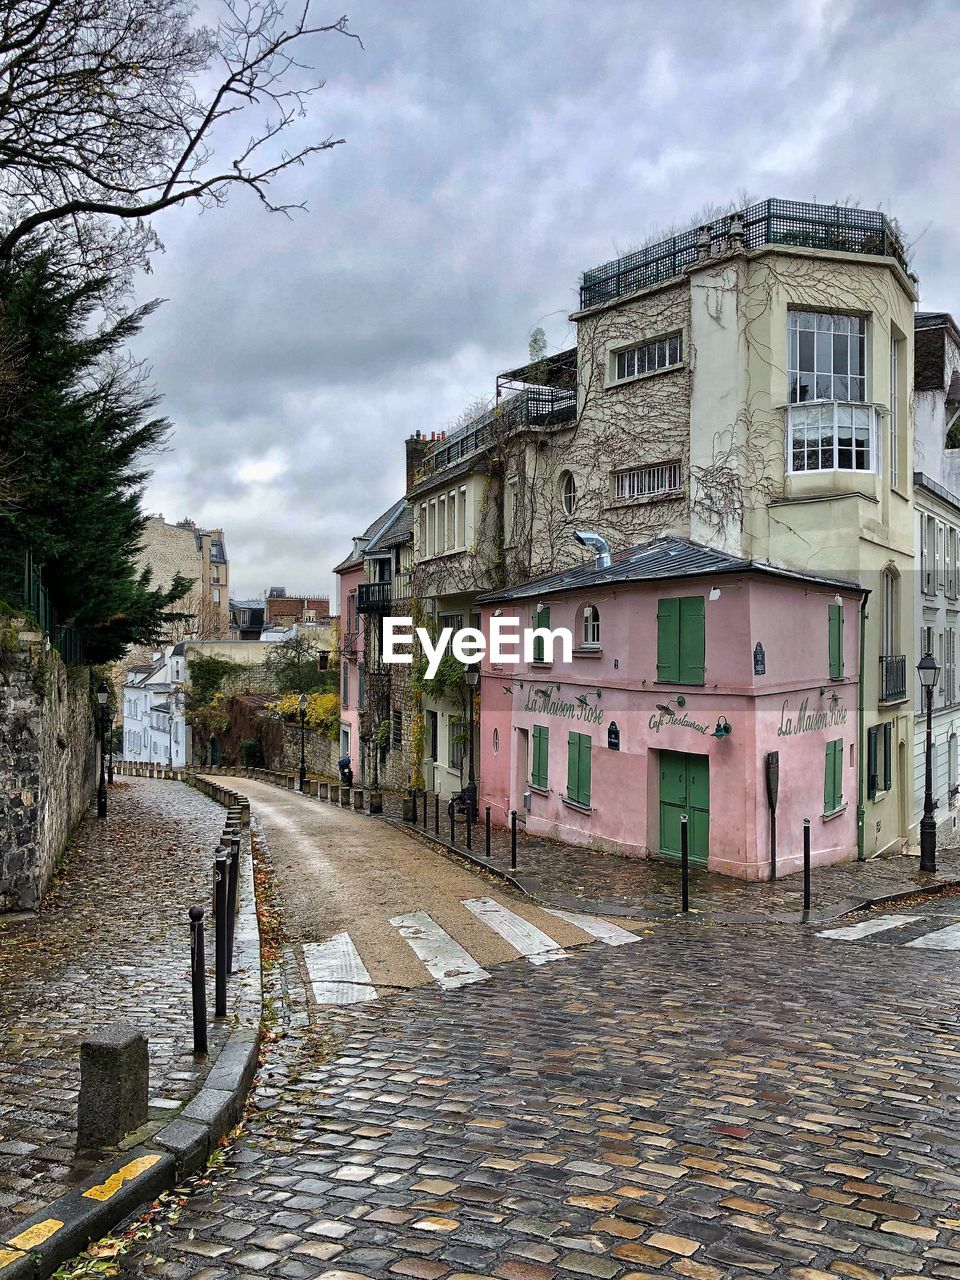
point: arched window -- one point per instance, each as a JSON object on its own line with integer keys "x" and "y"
{"x": 590, "y": 630}
{"x": 890, "y": 602}
{"x": 496, "y": 740}
{"x": 568, "y": 491}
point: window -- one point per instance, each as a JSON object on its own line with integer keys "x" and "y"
{"x": 889, "y": 631}
{"x": 578, "y": 768}
{"x": 540, "y": 619}
{"x": 832, "y": 437}
{"x": 590, "y": 629}
{"x": 568, "y": 492}
{"x": 826, "y": 357}
{"x": 216, "y": 595}
{"x": 541, "y": 756}
{"x": 432, "y": 736}
{"x": 928, "y": 553}
{"x": 346, "y": 685}
{"x": 938, "y": 583}
{"x": 681, "y": 640}
{"x": 647, "y": 482}
{"x": 510, "y": 511}
{"x": 496, "y": 741}
{"x": 952, "y": 779}
{"x": 397, "y": 727}
{"x": 457, "y": 734}
{"x": 835, "y": 641}
{"x": 647, "y": 357}
{"x": 949, "y": 665}
{"x": 344, "y": 741}
{"x": 952, "y": 563}
{"x": 361, "y": 687}
{"x": 833, "y": 777}
{"x": 894, "y": 413}
{"x": 879, "y": 759}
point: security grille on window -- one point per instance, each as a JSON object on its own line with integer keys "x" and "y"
{"x": 648, "y": 357}
{"x": 398, "y": 728}
{"x": 647, "y": 482}
{"x": 831, "y": 426}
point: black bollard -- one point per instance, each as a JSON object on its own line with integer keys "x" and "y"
{"x": 453, "y": 823}
{"x": 233, "y": 889}
{"x": 486, "y": 832}
{"x": 806, "y": 864}
{"x": 436, "y": 814}
{"x": 684, "y": 864}
{"x": 469, "y": 828}
{"x": 513, "y": 839}
{"x": 220, "y": 934}
{"x": 424, "y": 808}
{"x": 198, "y": 980}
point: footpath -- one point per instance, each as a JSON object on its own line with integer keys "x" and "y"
{"x": 111, "y": 944}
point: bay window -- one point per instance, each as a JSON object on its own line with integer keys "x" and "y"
{"x": 831, "y": 427}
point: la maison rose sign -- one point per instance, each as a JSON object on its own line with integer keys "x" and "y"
{"x": 806, "y": 721}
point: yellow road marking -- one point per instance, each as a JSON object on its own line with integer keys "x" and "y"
{"x": 116, "y": 1180}
{"x": 35, "y": 1235}
{"x": 9, "y": 1255}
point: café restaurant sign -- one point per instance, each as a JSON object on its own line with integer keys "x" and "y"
{"x": 807, "y": 721}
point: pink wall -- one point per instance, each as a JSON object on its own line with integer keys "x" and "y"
{"x": 351, "y": 648}
{"x": 789, "y": 618}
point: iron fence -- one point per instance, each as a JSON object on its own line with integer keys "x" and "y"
{"x": 788, "y": 222}
{"x": 22, "y": 587}
{"x": 532, "y": 407}
{"x": 893, "y": 677}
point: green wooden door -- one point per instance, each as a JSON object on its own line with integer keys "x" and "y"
{"x": 685, "y": 788}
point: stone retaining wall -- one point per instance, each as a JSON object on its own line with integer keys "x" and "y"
{"x": 48, "y": 762}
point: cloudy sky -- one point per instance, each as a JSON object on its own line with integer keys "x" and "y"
{"x": 493, "y": 152}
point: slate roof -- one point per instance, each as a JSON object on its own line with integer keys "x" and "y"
{"x": 395, "y": 532}
{"x": 657, "y": 560}
{"x": 371, "y": 531}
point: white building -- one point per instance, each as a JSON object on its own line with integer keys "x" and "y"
{"x": 154, "y": 722}
{"x": 937, "y": 589}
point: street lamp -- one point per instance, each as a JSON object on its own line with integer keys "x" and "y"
{"x": 110, "y": 748}
{"x": 928, "y": 670}
{"x": 471, "y": 675}
{"x": 103, "y": 694}
{"x": 303, "y": 742}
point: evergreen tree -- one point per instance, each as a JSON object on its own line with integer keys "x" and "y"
{"x": 76, "y": 420}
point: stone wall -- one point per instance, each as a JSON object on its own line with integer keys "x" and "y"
{"x": 320, "y": 752}
{"x": 48, "y": 763}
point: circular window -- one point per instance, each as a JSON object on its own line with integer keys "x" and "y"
{"x": 496, "y": 740}
{"x": 568, "y": 492}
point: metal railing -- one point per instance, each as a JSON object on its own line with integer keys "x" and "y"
{"x": 374, "y": 597}
{"x": 893, "y": 677}
{"x": 531, "y": 407}
{"x": 22, "y": 587}
{"x": 787, "y": 222}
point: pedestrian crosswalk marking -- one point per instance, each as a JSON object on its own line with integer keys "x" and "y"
{"x": 602, "y": 930}
{"x": 850, "y": 932}
{"x": 449, "y": 964}
{"x": 531, "y": 942}
{"x": 337, "y": 974}
{"x": 947, "y": 939}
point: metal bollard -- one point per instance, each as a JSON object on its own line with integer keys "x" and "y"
{"x": 424, "y": 808}
{"x": 436, "y": 814}
{"x": 806, "y": 864}
{"x": 233, "y": 890}
{"x": 469, "y": 827}
{"x": 220, "y": 934}
{"x": 486, "y": 824}
{"x": 453, "y": 824}
{"x": 513, "y": 839}
{"x": 684, "y": 864}
{"x": 198, "y": 980}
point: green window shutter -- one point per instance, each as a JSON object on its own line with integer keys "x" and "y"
{"x": 872, "y": 763}
{"x": 668, "y": 639}
{"x": 838, "y": 772}
{"x": 836, "y": 641}
{"x": 692, "y": 640}
{"x": 887, "y": 756}
{"x": 583, "y": 794}
{"x": 541, "y": 755}
{"x": 573, "y": 764}
{"x": 540, "y": 619}
{"x": 829, "y": 779}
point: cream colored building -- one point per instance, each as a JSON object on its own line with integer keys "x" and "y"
{"x": 197, "y": 554}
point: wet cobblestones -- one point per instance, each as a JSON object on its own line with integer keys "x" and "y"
{"x": 111, "y": 944}
{"x": 713, "y": 1102}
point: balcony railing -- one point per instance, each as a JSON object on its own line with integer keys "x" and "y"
{"x": 374, "y": 597}
{"x": 789, "y": 222}
{"x": 893, "y": 677}
{"x": 531, "y": 407}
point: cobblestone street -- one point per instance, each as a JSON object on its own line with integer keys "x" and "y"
{"x": 712, "y": 1101}
{"x": 111, "y": 944}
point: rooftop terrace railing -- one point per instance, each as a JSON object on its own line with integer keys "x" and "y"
{"x": 788, "y": 222}
{"x": 531, "y": 407}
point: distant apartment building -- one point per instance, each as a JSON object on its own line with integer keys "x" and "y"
{"x": 283, "y": 610}
{"x": 199, "y": 555}
{"x": 155, "y": 729}
{"x": 246, "y": 619}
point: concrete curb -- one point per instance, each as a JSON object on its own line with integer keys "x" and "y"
{"x": 33, "y": 1248}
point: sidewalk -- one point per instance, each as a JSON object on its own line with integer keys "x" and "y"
{"x": 110, "y": 944}
{"x": 575, "y": 878}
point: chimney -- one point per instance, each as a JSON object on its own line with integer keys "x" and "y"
{"x": 417, "y": 450}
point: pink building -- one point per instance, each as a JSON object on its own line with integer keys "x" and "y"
{"x": 694, "y": 673}
{"x": 350, "y": 574}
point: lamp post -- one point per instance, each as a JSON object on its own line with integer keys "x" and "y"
{"x": 303, "y": 742}
{"x": 928, "y": 670}
{"x": 102, "y": 694}
{"x": 110, "y": 749}
{"x": 471, "y": 676}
